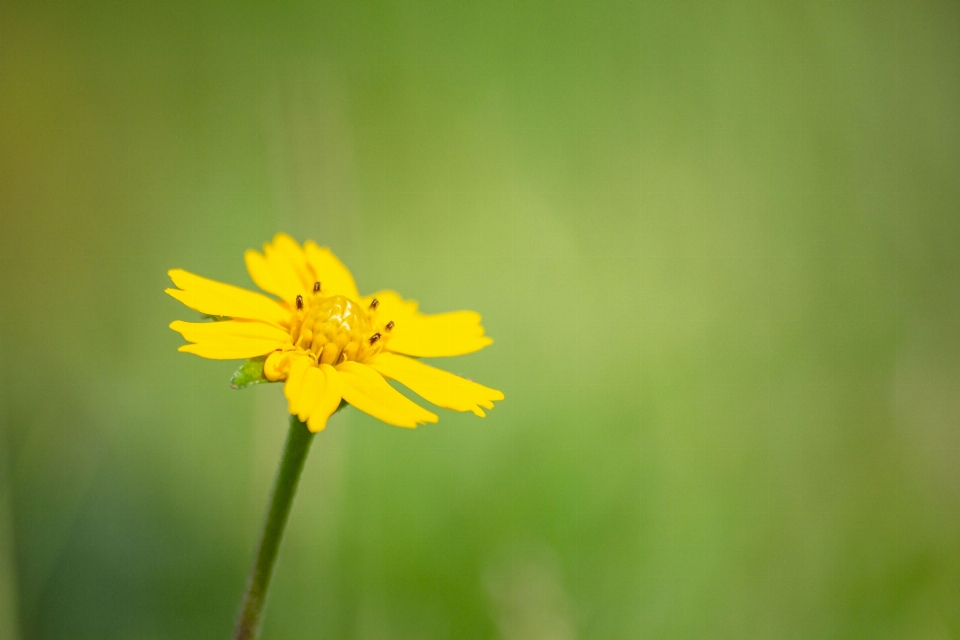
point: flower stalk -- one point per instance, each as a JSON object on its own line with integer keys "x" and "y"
{"x": 295, "y": 452}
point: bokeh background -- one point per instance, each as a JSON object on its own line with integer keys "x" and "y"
{"x": 716, "y": 243}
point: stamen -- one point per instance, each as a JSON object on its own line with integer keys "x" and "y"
{"x": 389, "y": 326}
{"x": 316, "y": 287}
{"x": 334, "y": 329}
{"x": 374, "y": 304}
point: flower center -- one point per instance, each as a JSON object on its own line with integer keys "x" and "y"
{"x": 335, "y": 328}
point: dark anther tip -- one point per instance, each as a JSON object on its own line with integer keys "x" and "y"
{"x": 389, "y": 325}
{"x": 374, "y": 304}
{"x": 316, "y": 287}
{"x": 299, "y": 302}
{"x": 374, "y": 337}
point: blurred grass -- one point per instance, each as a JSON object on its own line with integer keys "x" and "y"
{"x": 715, "y": 244}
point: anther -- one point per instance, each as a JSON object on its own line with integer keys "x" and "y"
{"x": 374, "y": 337}
{"x": 374, "y": 304}
{"x": 316, "y": 287}
{"x": 389, "y": 326}
{"x": 299, "y": 302}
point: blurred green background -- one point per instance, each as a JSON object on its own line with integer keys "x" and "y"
{"x": 716, "y": 243}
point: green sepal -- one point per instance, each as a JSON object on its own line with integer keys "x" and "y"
{"x": 249, "y": 373}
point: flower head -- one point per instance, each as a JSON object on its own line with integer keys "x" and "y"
{"x": 327, "y": 342}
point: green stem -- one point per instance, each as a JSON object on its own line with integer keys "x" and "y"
{"x": 284, "y": 487}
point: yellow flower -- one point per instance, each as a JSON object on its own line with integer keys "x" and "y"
{"x": 327, "y": 342}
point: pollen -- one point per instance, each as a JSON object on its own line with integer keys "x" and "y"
{"x": 335, "y": 329}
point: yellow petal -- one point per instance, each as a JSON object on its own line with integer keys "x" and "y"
{"x": 232, "y": 349}
{"x": 314, "y": 384}
{"x": 231, "y": 339}
{"x": 439, "y": 387}
{"x": 219, "y": 299}
{"x": 297, "y": 257}
{"x": 281, "y": 269}
{"x": 335, "y": 278}
{"x": 392, "y": 305}
{"x": 220, "y": 331}
{"x": 443, "y": 334}
{"x": 276, "y": 366}
{"x": 426, "y": 336}
{"x": 289, "y": 263}
{"x": 317, "y": 394}
{"x": 366, "y": 389}
{"x": 327, "y": 401}
{"x": 261, "y": 273}
{"x": 291, "y": 390}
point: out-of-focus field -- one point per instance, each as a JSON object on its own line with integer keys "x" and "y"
{"x": 717, "y": 244}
